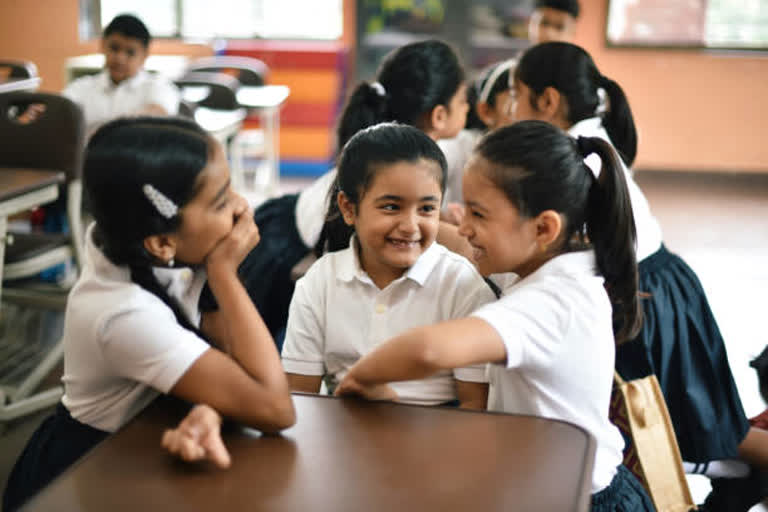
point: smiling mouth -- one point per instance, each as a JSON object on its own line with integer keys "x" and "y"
{"x": 404, "y": 244}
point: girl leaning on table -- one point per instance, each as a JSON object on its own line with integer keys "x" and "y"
{"x": 533, "y": 208}
{"x": 166, "y": 217}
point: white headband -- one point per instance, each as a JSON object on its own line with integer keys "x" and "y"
{"x": 160, "y": 201}
{"x": 493, "y": 76}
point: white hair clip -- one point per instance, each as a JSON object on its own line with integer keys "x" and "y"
{"x": 380, "y": 90}
{"x": 160, "y": 201}
{"x": 602, "y": 101}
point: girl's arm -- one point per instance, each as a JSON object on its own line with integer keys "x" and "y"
{"x": 472, "y": 395}
{"x": 423, "y": 351}
{"x": 247, "y": 383}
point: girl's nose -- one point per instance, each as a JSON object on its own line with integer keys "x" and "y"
{"x": 465, "y": 229}
{"x": 409, "y": 222}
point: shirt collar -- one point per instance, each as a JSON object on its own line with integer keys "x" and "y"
{"x": 128, "y": 83}
{"x": 349, "y": 264}
{"x": 568, "y": 264}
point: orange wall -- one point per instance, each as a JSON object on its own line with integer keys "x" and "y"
{"x": 45, "y": 32}
{"x": 695, "y": 110}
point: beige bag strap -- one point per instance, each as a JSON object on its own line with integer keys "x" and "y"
{"x": 617, "y": 378}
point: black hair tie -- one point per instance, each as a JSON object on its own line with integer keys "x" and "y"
{"x": 586, "y": 146}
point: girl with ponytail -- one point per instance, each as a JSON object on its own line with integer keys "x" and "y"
{"x": 534, "y": 209}
{"x": 165, "y": 217}
{"x": 679, "y": 341}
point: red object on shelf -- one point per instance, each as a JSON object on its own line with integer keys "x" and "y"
{"x": 293, "y": 54}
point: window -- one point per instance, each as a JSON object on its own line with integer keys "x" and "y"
{"x": 728, "y": 24}
{"x": 203, "y": 19}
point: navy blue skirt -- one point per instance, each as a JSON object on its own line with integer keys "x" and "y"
{"x": 681, "y": 343}
{"x": 624, "y": 494}
{"x": 266, "y": 271}
{"x": 56, "y": 444}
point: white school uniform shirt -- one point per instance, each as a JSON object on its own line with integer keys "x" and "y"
{"x": 337, "y": 315}
{"x": 122, "y": 344}
{"x": 649, "y": 236}
{"x": 102, "y": 100}
{"x": 312, "y": 207}
{"x": 557, "y": 330}
{"x": 457, "y": 152}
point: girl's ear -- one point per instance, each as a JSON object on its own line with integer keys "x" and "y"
{"x": 549, "y": 224}
{"x": 162, "y": 247}
{"x": 485, "y": 113}
{"x": 438, "y": 119}
{"x": 550, "y": 103}
{"x": 347, "y": 208}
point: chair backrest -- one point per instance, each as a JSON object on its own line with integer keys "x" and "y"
{"x": 53, "y": 140}
{"x": 247, "y": 70}
{"x": 17, "y": 69}
{"x": 217, "y": 90}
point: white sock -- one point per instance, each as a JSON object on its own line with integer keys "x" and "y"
{"x": 727, "y": 468}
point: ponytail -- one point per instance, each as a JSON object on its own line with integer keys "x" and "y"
{"x": 366, "y": 106}
{"x": 618, "y": 121}
{"x": 612, "y": 233}
{"x": 335, "y": 233}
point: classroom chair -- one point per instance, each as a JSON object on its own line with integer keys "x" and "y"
{"x": 54, "y": 140}
{"x": 248, "y": 144}
{"x": 17, "y": 69}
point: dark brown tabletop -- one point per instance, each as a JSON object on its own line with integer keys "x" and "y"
{"x": 15, "y": 182}
{"x": 342, "y": 455}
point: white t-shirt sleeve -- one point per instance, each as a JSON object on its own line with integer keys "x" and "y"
{"x": 164, "y": 93}
{"x": 532, "y": 322}
{"x": 150, "y": 347}
{"x": 76, "y": 90}
{"x": 472, "y": 293}
{"x": 303, "y": 348}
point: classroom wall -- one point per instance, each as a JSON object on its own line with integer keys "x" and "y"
{"x": 46, "y": 32}
{"x": 695, "y": 110}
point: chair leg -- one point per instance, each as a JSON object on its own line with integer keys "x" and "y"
{"x": 36, "y": 376}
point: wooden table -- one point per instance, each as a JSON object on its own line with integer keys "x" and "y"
{"x": 343, "y": 454}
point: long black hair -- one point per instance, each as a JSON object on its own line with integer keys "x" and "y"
{"x": 411, "y": 81}
{"x": 361, "y": 158}
{"x": 123, "y": 157}
{"x": 539, "y": 167}
{"x": 571, "y": 71}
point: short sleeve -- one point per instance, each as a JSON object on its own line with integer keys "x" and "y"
{"x": 150, "y": 347}
{"x": 532, "y": 323}
{"x": 475, "y": 293}
{"x": 303, "y": 348}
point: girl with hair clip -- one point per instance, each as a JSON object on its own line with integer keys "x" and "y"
{"x": 680, "y": 341}
{"x": 165, "y": 217}
{"x": 420, "y": 84}
{"x": 534, "y": 209}
{"x": 489, "y": 99}
{"x": 384, "y": 272}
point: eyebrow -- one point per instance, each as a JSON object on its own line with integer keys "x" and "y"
{"x": 474, "y": 204}
{"x": 391, "y": 197}
{"x": 221, "y": 192}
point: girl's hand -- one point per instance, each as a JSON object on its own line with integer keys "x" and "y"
{"x": 351, "y": 387}
{"x": 198, "y": 437}
{"x": 232, "y": 249}
{"x": 453, "y": 213}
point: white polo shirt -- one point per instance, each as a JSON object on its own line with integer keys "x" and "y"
{"x": 649, "y": 236}
{"x": 338, "y": 315}
{"x": 103, "y": 101}
{"x": 557, "y": 329}
{"x": 312, "y": 207}
{"x": 122, "y": 344}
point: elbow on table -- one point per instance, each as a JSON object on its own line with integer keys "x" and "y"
{"x": 282, "y": 414}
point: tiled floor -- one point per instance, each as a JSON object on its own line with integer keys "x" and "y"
{"x": 718, "y": 223}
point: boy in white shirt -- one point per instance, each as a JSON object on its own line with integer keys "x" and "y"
{"x": 123, "y": 87}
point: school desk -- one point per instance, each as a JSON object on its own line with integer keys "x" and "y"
{"x": 342, "y": 455}
{"x": 22, "y": 190}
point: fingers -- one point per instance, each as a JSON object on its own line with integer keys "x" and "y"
{"x": 216, "y": 451}
{"x": 198, "y": 437}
